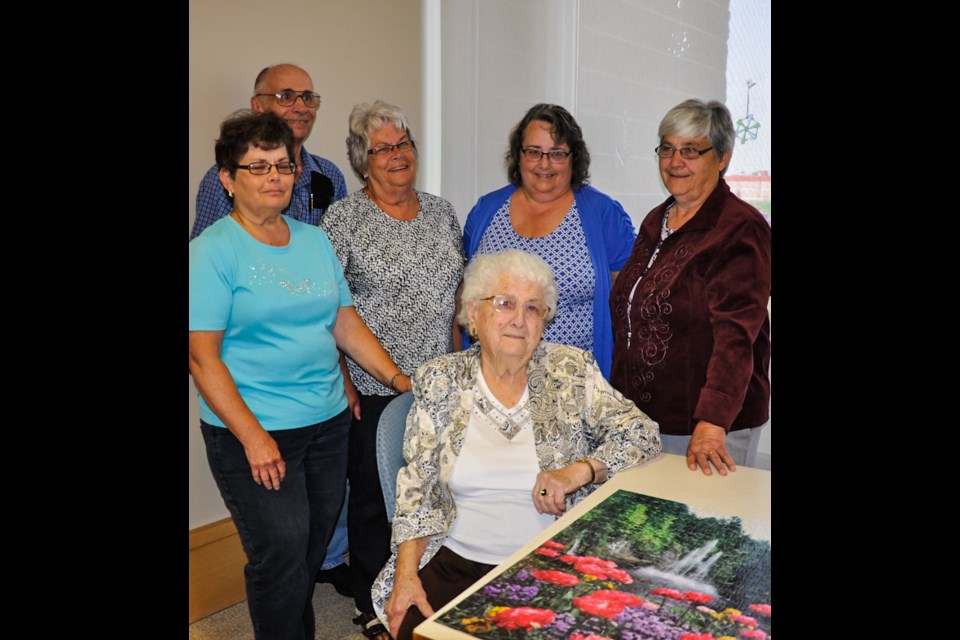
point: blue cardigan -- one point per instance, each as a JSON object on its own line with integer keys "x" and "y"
{"x": 610, "y": 236}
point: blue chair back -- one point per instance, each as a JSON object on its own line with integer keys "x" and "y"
{"x": 390, "y": 429}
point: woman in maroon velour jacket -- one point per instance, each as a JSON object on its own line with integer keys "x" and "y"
{"x": 689, "y": 308}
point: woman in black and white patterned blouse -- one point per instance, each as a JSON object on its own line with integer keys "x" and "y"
{"x": 402, "y": 255}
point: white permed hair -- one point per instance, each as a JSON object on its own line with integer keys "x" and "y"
{"x": 483, "y": 271}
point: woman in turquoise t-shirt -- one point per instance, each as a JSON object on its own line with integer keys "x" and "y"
{"x": 269, "y": 307}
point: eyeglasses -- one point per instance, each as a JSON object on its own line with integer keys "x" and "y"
{"x": 508, "y": 304}
{"x": 687, "y": 153}
{"x": 288, "y": 97}
{"x": 387, "y": 149}
{"x": 263, "y": 168}
{"x": 555, "y": 156}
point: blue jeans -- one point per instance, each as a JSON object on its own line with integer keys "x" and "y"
{"x": 284, "y": 533}
{"x": 337, "y": 549}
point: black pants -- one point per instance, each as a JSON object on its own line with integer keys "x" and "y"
{"x": 368, "y": 531}
{"x": 446, "y": 576}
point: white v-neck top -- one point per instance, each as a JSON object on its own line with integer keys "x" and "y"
{"x": 493, "y": 480}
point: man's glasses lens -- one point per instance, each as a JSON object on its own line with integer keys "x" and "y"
{"x": 287, "y": 98}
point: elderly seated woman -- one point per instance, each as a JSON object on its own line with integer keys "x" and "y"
{"x": 502, "y": 438}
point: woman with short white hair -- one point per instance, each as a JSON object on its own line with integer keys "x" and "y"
{"x": 501, "y": 440}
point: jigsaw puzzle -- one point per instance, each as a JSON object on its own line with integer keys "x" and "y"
{"x": 634, "y": 567}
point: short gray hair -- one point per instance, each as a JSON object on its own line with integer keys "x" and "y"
{"x": 698, "y": 119}
{"x": 364, "y": 120}
{"x": 483, "y": 270}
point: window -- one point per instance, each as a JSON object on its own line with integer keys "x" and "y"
{"x": 748, "y": 98}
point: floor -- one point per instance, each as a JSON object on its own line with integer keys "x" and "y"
{"x": 333, "y": 611}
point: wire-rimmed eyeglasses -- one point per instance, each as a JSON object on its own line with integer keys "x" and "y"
{"x": 504, "y": 303}
{"x": 387, "y": 149}
{"x": 288, "y": 97}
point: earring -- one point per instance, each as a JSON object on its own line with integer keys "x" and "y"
{"x": 473, "y": 332}
{"x": 230, "y": 193}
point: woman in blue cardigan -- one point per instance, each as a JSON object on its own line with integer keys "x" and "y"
{"x": 550, "y": 210}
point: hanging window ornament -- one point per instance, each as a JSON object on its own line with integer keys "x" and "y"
{"x": 747, "y": 129}
{"x": 747, "y": 126}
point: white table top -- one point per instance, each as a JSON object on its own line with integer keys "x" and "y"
{"x": 744, "y": 493}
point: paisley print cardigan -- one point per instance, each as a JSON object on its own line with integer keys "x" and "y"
{"x": 575, "y": 413}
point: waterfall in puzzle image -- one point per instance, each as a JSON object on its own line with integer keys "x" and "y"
{"x": 688, "y": 573}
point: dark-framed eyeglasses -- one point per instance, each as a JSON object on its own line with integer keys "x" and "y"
{"x": 288, "y": 97}
{"x": 262, "y": 168}
{"x": 556, "y": 156}
{"x": 687, "y": 153}
{"x": 386, "y": 149}
{"x": 504, "y": 303}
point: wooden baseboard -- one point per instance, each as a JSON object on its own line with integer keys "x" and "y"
{"x": 216, "y": 569}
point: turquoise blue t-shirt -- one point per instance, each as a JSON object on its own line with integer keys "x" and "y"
{"x": 277, "y": 307}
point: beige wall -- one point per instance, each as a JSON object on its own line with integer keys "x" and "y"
{"x": 355, "y": 51}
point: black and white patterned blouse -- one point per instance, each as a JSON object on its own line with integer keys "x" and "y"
{"x": 403, "y": 275}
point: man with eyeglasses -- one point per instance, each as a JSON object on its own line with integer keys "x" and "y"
{"x": 287, "y": 90}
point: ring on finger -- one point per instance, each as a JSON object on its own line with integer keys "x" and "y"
{"x": 543, "y": 492}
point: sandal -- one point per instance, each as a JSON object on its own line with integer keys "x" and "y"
{"x": 370, "y": 626}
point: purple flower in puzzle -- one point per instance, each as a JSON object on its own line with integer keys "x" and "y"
{"x": 636, "y": 623}
{"x": 510, "y": 591}
{"x": 493, "y": 590}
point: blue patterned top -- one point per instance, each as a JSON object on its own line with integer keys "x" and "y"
{"x": 565, "y": 250}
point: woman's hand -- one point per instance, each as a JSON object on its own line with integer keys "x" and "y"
{"x": 353, "y": 396}
{"x": 216, "y": 385}
{"x": 708, "y": 445}
{"x": 407, "y": 588}
{"x": 551, "y": 488}
{"x": 407, "y": 591}
{"x": 265, "y": 460}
